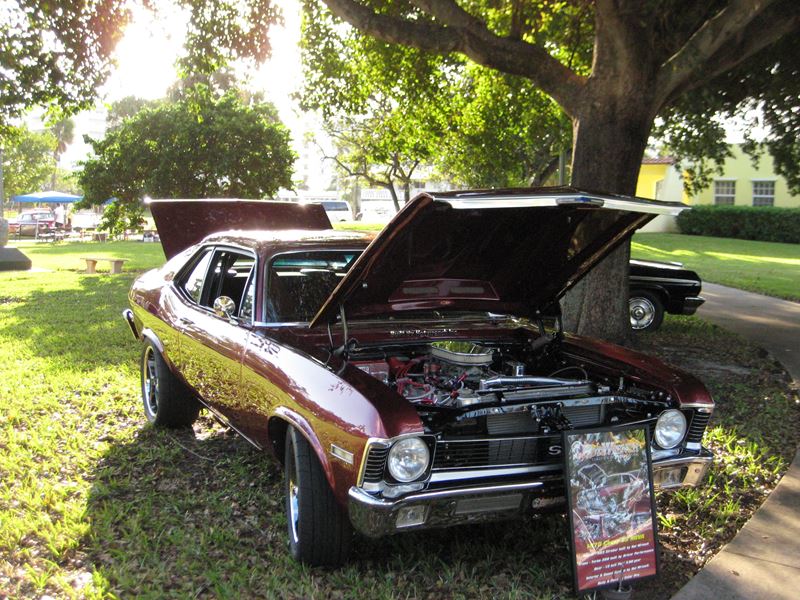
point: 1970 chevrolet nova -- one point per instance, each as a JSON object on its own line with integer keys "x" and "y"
{"x": 417, "y": 379}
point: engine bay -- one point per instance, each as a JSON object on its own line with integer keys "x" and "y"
{"x": 466, "y": 387}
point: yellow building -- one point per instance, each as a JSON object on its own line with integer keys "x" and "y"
{"x": 742, "y": 184}
{"x": 660, "y": 180}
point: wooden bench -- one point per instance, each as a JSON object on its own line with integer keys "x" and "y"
{"x": 116, "y": 264}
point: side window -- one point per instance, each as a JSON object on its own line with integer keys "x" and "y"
{"x": 228, "y": 276}
{"x": 192, "y": 283}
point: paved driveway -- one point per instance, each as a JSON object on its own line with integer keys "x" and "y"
{"x": 769, "y": 322}
{"x": 763, "y": 560}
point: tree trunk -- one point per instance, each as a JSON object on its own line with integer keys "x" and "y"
{"x": 609, "y": 142}
{"x": 396, "y": 201}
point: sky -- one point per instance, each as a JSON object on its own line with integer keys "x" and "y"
{"x": 151, "y": 44}
{"x": 146, "y": 57}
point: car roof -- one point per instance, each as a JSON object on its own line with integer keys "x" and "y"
{"x": 272, "y": 241}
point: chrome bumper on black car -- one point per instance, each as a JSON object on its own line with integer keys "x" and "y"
{"x": 691, "y": 304}
{"x": 375, "y": 517}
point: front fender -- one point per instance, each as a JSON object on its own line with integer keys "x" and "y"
{"x": 340, "y": 475}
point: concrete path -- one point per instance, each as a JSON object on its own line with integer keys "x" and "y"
{"x": 769, "y": 322}
{"x": 763, "y": 560}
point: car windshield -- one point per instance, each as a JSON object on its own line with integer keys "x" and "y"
{"x": 299, "y": 282}
{"x": 335, "y": 206}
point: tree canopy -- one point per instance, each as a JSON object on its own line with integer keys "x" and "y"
{"x": 57, "y": 53}
{"x": 27, "y": 160}
{"x": 195, "y": 148}
{"x": 479, "y": 127}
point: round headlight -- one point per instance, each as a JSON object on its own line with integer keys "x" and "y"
{"x": 408, "y": 459}
{"x": 670, "y": 428}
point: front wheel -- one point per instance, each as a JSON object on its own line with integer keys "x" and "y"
{"x": 167, "y": 401}
{"x": 646, "y": 311}
{"x": 319, "y": 530}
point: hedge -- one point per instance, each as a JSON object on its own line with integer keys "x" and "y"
{"x": 763, "y": 223}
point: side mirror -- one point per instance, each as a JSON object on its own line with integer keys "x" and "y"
{"x": 224, "y": 307}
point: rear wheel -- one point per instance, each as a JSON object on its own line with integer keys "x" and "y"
{"x": 646, "y": 311}
{"x": 319, "y": 530}
{"x": 167, "y": 401}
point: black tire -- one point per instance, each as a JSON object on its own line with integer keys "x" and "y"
{"x": 319, "y": 530}
{"x": 166, "y": 399}
{"x": 646, "y": 311}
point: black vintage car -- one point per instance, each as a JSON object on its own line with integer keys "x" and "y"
{"x": 658, "y": 287}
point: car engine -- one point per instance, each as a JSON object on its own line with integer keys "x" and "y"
{"x": 460, "y": 383}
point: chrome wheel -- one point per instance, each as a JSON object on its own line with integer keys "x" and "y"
{"x": 150, "y": 383}
{"x": 642, "y": 312}
{"x": 294, "y": 508}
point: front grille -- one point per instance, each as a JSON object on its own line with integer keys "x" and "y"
{"x": 376, "y": 463}
{"x": 518, "y": 422}
{"x": 485, "y": 453}
{"x": 697, "y": 426}
{"x": 523, "y": 421}
{"x": 583, "y": 416}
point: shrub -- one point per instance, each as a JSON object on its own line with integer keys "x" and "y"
{"x": 763, "y": 223}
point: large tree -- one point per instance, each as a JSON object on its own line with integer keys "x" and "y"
{"x": 384, "y": 148}
{"x": 27, "y": 160}
{"x": 502, "y": 132}
{"x": 198, "y": 147}
{"x": 481, "y": 128}
{"x": 644, "y": 57}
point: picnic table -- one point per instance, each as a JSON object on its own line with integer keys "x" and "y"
{"x": 116, "y": 264}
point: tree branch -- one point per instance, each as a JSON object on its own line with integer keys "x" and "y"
{"x": 760, "y": 34}
{"x": 461, "y": 32}
{"x": 713, "y": 35}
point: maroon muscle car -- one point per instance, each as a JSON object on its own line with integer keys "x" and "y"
{"x": 418, "y": 379}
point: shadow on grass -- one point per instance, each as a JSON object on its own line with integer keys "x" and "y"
{"x": 81, "y": 326}
{"x": 193, "y": 513}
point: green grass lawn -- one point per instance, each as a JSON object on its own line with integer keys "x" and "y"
{"x": 66, "y": 256}
{"x": 763, "y": 267}
{"x": 95, "y": 503}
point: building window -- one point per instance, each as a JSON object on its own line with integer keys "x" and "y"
{"x": 763, "y": 193}
{"x": 724, "y": 192}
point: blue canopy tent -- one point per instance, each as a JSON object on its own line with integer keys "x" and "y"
{"x": 47, "y": 198}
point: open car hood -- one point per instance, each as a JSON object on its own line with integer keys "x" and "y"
{"x": 503, "y": 251}
{"x": 181, "y": 223}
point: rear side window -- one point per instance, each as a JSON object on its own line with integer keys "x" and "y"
{"x": 299, "y": 283}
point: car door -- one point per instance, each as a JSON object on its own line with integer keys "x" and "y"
{"x": 212, "y": 346}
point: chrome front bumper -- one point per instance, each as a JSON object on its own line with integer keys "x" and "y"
{"x": 691, "y": 304}
{"x": 376, "y": 517}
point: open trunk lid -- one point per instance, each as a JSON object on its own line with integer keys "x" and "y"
{"x": 504, "y": 251}
{"x": 181, "y": 223}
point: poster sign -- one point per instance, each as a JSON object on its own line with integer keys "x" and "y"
{"x": 611, "y": 506}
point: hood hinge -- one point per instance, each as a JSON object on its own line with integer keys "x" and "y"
{"x": 342, "y": 350}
